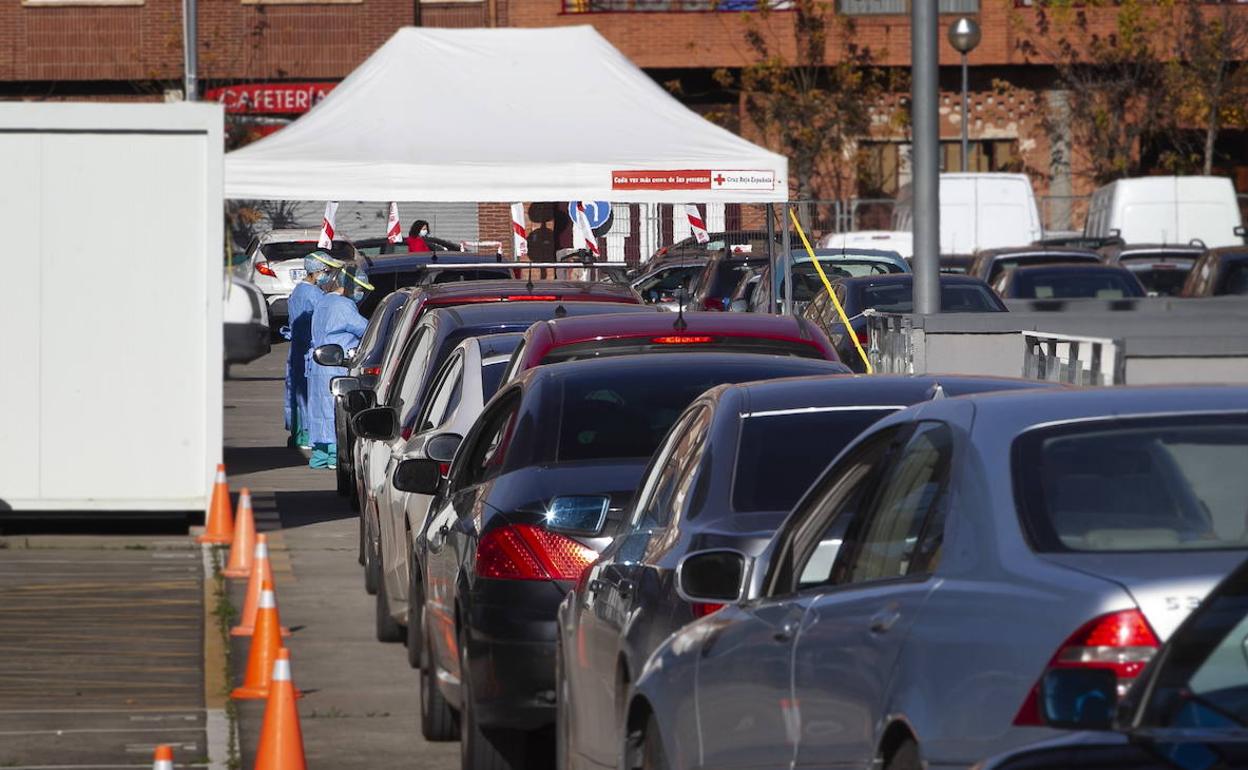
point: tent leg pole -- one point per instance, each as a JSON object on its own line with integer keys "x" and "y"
{"x": 786, "y": 253}
{"x": 773, "y": 300}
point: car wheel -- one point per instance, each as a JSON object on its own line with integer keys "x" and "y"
{"x": 388, "y": 629}
{"x": 372, "y": 563}
{"x": 360, "y": 556}
{"x": 344, "y": 480}
{"x": 652, "y": 757}
{"x": 438, "y": 720}
{"x": 563, "y": 712}
{"x": 906, "y": 757}
{"x": 482, "y": 749}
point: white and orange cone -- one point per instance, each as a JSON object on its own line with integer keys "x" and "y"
{"x": 242, "y": 550}
{"x": 281, "y": 738}
{"x": 265, "y": 643}
{"x": 219, "y": 526}
{"x": 261, "y": 573}
{"x": 163, "y": 759}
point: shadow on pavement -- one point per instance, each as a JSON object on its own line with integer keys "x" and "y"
{"x": 306, "y": 507}
{"x": 257, "y": 459}
{"x": 97, "y": 523}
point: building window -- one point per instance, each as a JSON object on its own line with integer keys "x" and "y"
{"x": 874, "y": 7}
{"x": 884, "y": 167}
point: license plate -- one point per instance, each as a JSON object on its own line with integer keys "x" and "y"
{"x": 298, "y": 274}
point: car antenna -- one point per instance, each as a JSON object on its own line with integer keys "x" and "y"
{"x": 938, "y": 392}
{"x": 528, "y": 284}
{"x": 680, "y": 325}
{"x": 561, "y": 311}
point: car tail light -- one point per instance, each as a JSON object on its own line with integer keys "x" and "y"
{"x": 371, "y": 371}
{"x": 528, "y": 552}
{"x": 682, "y": 339}
{"x": 263, "y": 269}
{"x": 405, "y": 432}
{"x": 702, "y": 609}
{"x": 531, "y": 298}
{"x": 713, "y": 303}
{"x": 445, "y": 470}
{"x": 864, "y": 337}
{"x": 1122, "y": 642}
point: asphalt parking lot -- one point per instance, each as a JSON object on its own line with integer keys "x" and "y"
{"x": 361, "y": 706}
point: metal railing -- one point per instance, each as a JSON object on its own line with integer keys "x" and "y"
{"x": 890, "y": 343}
{"x": 1073, "y": 360}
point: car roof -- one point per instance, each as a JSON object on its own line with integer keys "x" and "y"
{"x": 796, "y": 393}
{"x": 492, "y": 345}
{"x": 292, "y": 235}
{"x": 945, "y": 278}
{"x": 487, "y": 313}
{"x": 393, "y": 263}
{"x": 565, "y": 331}
{"x": 849, "y": 252}
{"x": 503, "y": 288}
{"x": 1136, "y": 248}
{"x": 1231, "y": 253}
{"x": 1038, "y": 251}
{"x": 1068, "y": 267}
{"x": 657, "y": 365}
{"x": 1016, "y": 412}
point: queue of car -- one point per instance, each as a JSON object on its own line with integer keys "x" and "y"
{"x": 612, "y": 536}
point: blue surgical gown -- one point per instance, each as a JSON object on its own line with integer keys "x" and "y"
{"x": 335, "y": 320}
{"x": 300, "y": 305}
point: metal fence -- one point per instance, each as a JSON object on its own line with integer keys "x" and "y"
{"x": 1073, "y": 360}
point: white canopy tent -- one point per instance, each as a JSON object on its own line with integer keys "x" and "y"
{"x": 499, "y": 115}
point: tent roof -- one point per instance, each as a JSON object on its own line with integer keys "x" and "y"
{"x": 497, "y": 115}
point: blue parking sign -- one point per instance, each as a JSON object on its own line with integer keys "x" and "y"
{"x": 597, "y": 212}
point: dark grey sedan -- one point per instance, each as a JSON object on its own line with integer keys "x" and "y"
{"x": 907, "y": 611}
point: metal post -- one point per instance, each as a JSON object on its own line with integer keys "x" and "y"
{"x": 966, "y": 120}
{"x": 924, "y": 97}
{"x": 786, "y": 250}
{"x": 190, "y": 46}
{"x": 772, "y": 304}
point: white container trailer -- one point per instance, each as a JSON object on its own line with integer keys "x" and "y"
{"x": 979, "y": 211}
{"x": 111, "y": 386}
{"x": 1167, "y": 209}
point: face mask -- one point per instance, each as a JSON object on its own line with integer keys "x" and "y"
{"x": 322, "y": 278}
{"x": 424, "y": 231}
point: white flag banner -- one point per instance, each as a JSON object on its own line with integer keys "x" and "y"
{"x": 586, "y": 233}
{"x": 697, "y": 224}
{"x": 326, "y": 240}
{"x": 520, "y": 236}
{"x": 394, "y": 231}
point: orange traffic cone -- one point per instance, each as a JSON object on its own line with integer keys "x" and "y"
{"x": 219, "y": 527}
{"x": 265, "y": 643}
{"x": 261, "y": 573}
{"x": 243, "y": 548}
{"x": 163, "y": 759}
{"x": 281, "y": 739}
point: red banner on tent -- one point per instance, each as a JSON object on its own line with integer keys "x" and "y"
{"x": 269, "y": 98}
{"x": 685, "y": 179}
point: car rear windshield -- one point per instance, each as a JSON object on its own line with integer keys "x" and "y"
{"x": 954, "y": 298}
{"x": 780, "y": 454}
{"x": 282, "y": 251}
{"x": 686, "y": 343}
{"x": 1142, "y": 484}
{"x": 1164, "y": 276}
{"x": 616, "y": 414}
{"x": 1075, "y": 284}
{"x": 807, "y": 284}
{"x": 728, "y": 273}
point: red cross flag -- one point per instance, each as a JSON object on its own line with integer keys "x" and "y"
{"x": 520, "y": 237}
{"x": 326, "y": 240}
{"x": 696, "y": 224}
{"x": 584, "y": 231}
{"x": 394, "y": 233}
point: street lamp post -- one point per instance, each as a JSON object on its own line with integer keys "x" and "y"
{"x": 964, "y": 36}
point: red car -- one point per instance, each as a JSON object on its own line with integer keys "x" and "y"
{"x": 573, "y": 339}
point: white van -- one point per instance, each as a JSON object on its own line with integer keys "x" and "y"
{"x": 901, "y": 242}
{"x": 1167, "y": 209}
{"x": 979, "y": 211}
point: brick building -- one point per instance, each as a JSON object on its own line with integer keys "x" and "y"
{"x": 132, "y": 50}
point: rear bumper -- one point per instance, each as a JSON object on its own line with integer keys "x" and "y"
{"x": 245, "y": 343}
{"x": 511, "y": 649}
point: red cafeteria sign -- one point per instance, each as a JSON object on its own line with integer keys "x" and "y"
{"x": 269, "y": 98}
{"x": 698, "y": 179}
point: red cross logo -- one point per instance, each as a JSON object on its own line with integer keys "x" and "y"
{"x": 719, "y": 180}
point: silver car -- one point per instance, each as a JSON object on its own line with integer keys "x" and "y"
{"x": 904, "y": 614}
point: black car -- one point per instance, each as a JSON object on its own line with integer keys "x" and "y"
{"x": 1075, "y": 281}
{"x": 891, "y": 294}
{"x": 390, "y": 273}
{"x": 1187, "y": 710}
{"x": 713, "y": 288}
{"x": 363, "y": 369}
{"x": 1220, "y": 272}
{"x": 990, "y": 263}
{"x": 726, "y": 476}
{"x": 421, "y": 355}
{"x": 537, "y": 488}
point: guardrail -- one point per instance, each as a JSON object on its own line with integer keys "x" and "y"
{"x": 1073, "y": 360}
{"x": 890, "y": 345}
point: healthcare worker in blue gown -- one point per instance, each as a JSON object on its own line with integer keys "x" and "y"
{"x": 336, "y": 321}
{"x": 299, "y": 332}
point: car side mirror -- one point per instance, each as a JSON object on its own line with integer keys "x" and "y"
{"x": 1079, "y": 698}
{"x": 418, "y": 475}
{"x": 329, "y": 355}
{"x": 578, "y": 514}
{"x": 1241, "y": 231}
{"x": 341, "y": 386}
{"x": 712, "y": 577}
{"x": 359, "y": 400}
{"x": 443, "y": 446}
{"x": 381, "y": 423}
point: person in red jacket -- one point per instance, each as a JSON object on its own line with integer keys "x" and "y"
{"x": 416, "y": 237}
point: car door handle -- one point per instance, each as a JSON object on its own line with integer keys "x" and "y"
{"x": 883, "y": 621}
{"x": 785, "y": 632}
{"x": 625, "y": 588}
